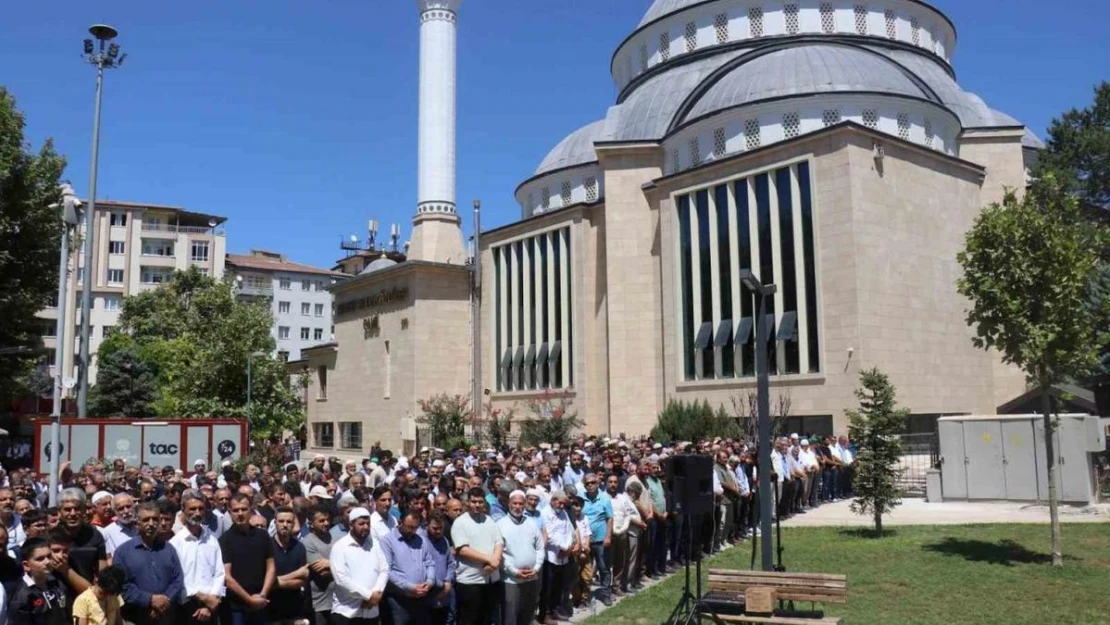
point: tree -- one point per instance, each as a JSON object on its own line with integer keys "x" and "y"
{"x": 875, "y": 428}
{"x": 446, "y": 415}
{"x": 1077, "y": 150}
{"x": 498, "y": 424}
{"x": 30, "y": 232}
{"x": 553, "y": 421}
{"x": 1030, "y": 270}
{"x": 125, "y": 385}
{"x": 681, "y": 421}
{"x": 746, "y": 410}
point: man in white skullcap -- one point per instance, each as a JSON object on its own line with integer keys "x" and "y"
{"x": 360, "y": 572}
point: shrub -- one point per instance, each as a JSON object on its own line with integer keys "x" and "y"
{"x": 681, "y": 421}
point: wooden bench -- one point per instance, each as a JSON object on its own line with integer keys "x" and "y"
{"x": 731, "y": 585}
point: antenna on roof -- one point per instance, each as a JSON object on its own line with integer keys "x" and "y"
{"x": 394, "y": 236}
{"x": 372, "y": 227}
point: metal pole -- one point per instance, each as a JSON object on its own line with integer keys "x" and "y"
{"x": 475, "y": 315}
{"x": 763, "y": 389}
{"x": 59, "y": 358}
{"x": 250, "y": 360}
{"x": 90, "y": 217}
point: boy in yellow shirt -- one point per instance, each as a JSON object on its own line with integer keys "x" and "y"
{"x": 99, "y": 604}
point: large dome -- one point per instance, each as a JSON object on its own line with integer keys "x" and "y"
{"x": 577, "y": 148}
{"x": 660, "y": 8}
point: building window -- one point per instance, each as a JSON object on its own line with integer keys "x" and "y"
{"x": 871, "y": 118}
{"x": 591, "y": 189}
{"x": 567, "y": 193}
{"x": 545, "y": 198}
{"x": 720, "y": 143}
{"x": 720, "y": 26}
{"x": 283, "y": 332}
{"x": 830, "y": 117}
{"x": 317, "y": 334}
{"x": 117, "y": 219}
{"x": 350, "y": 435}
{"x": 717, "y": 313}
{"x": 861, "y": 19}
{"x": 115, "y": 247}
{"x": 664, "y": 46}
{"x": 676, "y": 163}
{"x": 319, "y": 310}
{"x": 695, "y": 152}
{"x": 306, "y": 285}
{"x": 199, "y": 252}
{"x": 533, "y": 304}
{"x": 323, "y": 434}
{"x": 305, "y": 308}
{"x": 115, "y": 276}
{"x": 915, "y": 31}
{"x": 283, "y": 308}
{"x": 790, "y": 125}
{"x": 49, "y": 330}
{"x": 904, "y": 126}
{"x": 691, "y": 37}
{"x": 755, "y": 21}
{"x": 751, "y": 134}
{"x": 643, "y": 57}
{"x": 111, "y": 302}
{"x": 891, "y": 24}
{"x": 109, "y": 331}
{"x": 157, "y": 248}
{"x": 305, "y": 333}
{"x": 149, "y": 276}
{"x": 929, "y": 133}
{"x": 284, "y": 284}
{"x": 283, "y": 356}
{"x": 79, "y": 275}
{"x": 322, "y": 382}
{"x": 791, "y": 11}
{"x": 828, "y": 18}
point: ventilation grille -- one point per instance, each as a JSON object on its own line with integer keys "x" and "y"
{"x": 929, "y": 132}
{"x": 755, "y": 21}
{"x": 664, "y": 46}
{"x": 904, "y": 126}
{"x": 567, "y": 193}
{"x": 720, "y": 25}
{"x": 719, "y": 143}
{"x": 695, "y": 152}
{"x": 591, "y": 189}
{"x": 790, "y": 125}
{"x": 891, "y": 25}
{"x": 691, "y": 37}
{"x": 830, "y": 117}
{"x": 545, "y": 197}
{"x": 870, "y": 118}
{"x": 861, "y": 19}
{"x": 751, "y": 134}
{"x": 828, "y": 21}
{"x": 791, "y": 11}
{"x": 676, "y": 164}
{"x": 915, "y": 31}
{"x": 643, "y": 57}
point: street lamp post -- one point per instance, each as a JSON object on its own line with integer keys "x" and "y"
{"x": 69, "y": 207}
{"x": 103, "y": 56}
{"x": 763, "y": 391}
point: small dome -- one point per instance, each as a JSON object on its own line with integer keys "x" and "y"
{"x": 805, "y": 70}
{"x": 576, "y": 149}
{"x": 380, "y": 263}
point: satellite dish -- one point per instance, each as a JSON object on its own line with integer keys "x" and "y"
{"x": 354, "y": 238}
{"x": 69, "y": 382}
{"x": 211, "y": 223}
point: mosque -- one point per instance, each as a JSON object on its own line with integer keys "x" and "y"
{"x": 823, "y": 146}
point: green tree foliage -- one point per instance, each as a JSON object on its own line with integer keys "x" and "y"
{"x": 875, "y": 429}
{"x": 1077, "y": 150}
{"x": 498, "y": 424}
{"x": 30, "y": 232}
{"x": 446, "y": 416}
{"x": 197, "y": 337}
{"x": 1030, "y": 271}
{"x": 681, "y": 421}
{"x": 553, "y": 420}
{"x": 125, "y": 385}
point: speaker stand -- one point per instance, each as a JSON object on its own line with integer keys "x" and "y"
{"x": 690, "y": 609}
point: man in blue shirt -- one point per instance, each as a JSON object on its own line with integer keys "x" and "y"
{"x": 154, "y": 579}
{"x": 412, "y": 572}
{"x": 598, "y": 512}
{"x": 443, "y": 596}
{"x": 575, "y": 472}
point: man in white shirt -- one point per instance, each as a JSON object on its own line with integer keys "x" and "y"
{"x": 202, "y": 563}
{"x": 849, "y": 470}
{"x": 562, "y": 541}
{"x": 813, "y": 473}
{"x": 360, "y": 572}
{"x": 381, "y": 521}
{"x": 199, "y": 468}
{"x": 123, "y": 528}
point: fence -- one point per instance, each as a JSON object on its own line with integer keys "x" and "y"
{"x": 920, "y": 452}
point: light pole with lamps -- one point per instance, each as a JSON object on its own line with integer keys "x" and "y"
{"x": 103, "y": 56}
{"x": 761, "y": 333}
{"x": 69, "y": 209}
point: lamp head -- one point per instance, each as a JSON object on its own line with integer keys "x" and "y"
{"x": 103, "y": 32}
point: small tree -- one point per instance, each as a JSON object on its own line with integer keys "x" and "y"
{"x": 498, "y": 424}
{"x": 446, "y": 415}
{"x": 875, "y": 428}
{"x": 553, "y": 420}
{"x": 125, "y": 385}
{"x": 745, "y": 408}
{"x": 1031, "y": 271}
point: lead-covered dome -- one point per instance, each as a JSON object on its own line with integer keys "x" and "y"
{"x": 576, "y": 149}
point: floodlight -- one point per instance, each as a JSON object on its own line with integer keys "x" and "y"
{"x": 88, "y": 46}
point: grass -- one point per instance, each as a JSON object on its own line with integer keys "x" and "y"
{"x": 925, "y": 575}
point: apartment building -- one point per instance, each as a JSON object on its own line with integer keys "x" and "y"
{"x": 298, "y": 296}
{"x": 136, "y": 247}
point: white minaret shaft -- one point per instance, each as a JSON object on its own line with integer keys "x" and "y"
{"x": 436, "y": 233}
{"x": 436, "y": 142}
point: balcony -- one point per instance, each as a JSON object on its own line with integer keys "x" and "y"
{"x": 174, "y": 229}
{"x": 256, "y": 290}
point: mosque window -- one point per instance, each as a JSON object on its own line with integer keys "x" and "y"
{"x": 774, "y": 236}
{"x": 567, "y": 192}
{"x": 830, "y": 117}
{"x": 929, "y": 133}
{"x": 691, "y": 37}
{"x": 720, "y": 25}
{"x": 915, "y": 31}
{"x": 720, "y": 144}
{"x": 664, "y": 46}
{"x": 751, "y": 134}
{"x": 790, "y": 125}
{"x": 531, "y": 203}
{"x": 695, "y": 152}
{"x": 828, "y": 20}
{"x": 643, "y": 57}
{"x": 676, "y": 164}
{"x": 545, "y": 198}
{"x": 755, "y": 21}
{"x": 904, "y": 126}
{"x": 791, "y": 11}
{"x": 861, "y": 19}
{"x": 591, "y": 189}
{"x": 891, "y": 24}
{"x": 870, "y": 118}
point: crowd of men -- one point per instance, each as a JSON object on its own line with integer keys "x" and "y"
{"x": 471, "y": 537}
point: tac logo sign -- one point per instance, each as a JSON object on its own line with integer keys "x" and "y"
{"x": 163, "y": 450}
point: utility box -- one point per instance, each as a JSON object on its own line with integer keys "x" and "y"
{"x": 1003, "y": 457}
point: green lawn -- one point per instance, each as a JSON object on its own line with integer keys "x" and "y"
{"x": 931, "y": 575}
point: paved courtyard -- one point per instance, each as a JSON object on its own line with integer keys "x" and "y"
{"x": 920, "y": 512}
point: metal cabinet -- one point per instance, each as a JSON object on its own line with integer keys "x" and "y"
{"x": 953, "y": 460}
{"x": 986, "y": 472}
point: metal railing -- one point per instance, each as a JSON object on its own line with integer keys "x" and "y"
{"x": 920, "y": 453}
{"x": 181, "y": 229}
{"x": 257, "y": 290}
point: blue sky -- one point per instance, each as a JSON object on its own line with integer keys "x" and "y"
{"x": 297, "y": 119}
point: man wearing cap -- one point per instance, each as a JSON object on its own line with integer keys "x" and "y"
{"x": 521, "y": 564}
{"x": 360, "y": 572}
{"x": 478, "y": 550}
{"x": 101, "y": 507}
{"x": 561, "y": 545}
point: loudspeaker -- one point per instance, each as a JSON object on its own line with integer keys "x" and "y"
{"x": 689, "y": 480}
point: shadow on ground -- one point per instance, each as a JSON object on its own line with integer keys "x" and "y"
{"x": 867, "y": 533}
{"x": 1004, "y": 552}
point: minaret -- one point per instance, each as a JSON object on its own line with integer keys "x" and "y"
{"x": 436, "y": 232}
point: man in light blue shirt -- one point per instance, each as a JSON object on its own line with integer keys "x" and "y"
{"x": 412, "y": 572}
{"x": 598, "y": 512}
{"x": 575, "y": 471}
{"x": 522, "y": 560}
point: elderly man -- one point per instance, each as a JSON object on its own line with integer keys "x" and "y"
{"x": 523, "y": 558}
{"x": 11, "y": 519}
{"x": 561, "y": 546}
{"x": 597, "y": 511}
{"x": 361, "y": 574}
{"x": 202, "y": 564}
{"x": 152, "y": 573}
{"x": 123, "y": 528}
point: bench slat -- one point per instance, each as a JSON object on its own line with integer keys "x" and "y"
{"x": 775, "y": 583}
{"x": 782, "y": 592}
{"x": 816, "y": 576}
{"x": 780, "y": 620}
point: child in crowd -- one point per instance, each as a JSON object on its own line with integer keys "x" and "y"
{"x": 40, "y": 599}
{"x": 99, "y": 604}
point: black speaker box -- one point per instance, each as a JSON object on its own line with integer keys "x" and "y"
{"x": 689, "y": 481}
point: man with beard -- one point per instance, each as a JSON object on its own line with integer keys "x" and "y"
{"x": 412, "y": 571}
{"x": 361, "y": 574}
{"x": 524, "y": 556}
{"x": 382, "y": 521}
{"x": 443, "y": 596}
{"x": 453, "y": 510}
{"x": 123, "y": 528}
{"x": 248, "y": 566}
{"x": 291, "y": 568}
{"x": 11, "y": 520}
{"x": 318, "y": 545}
{"x": 87, "y": 553}
{"x": 153, "y": 579}
{"x": 478, "y": 547}
{"x": 198, "y": 551}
